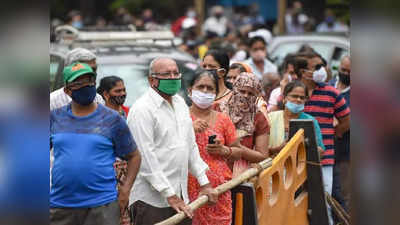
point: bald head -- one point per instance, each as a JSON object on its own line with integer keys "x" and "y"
{"x": 269, "y": 82}
{"x": 345, "y": 65}
{"x": 159, "y": 65}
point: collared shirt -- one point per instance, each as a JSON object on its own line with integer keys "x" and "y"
{"x": 324, "y": 104}
{"x": 268, "y": 67}
{"x": 165, "y": 138}
{"x": 59, "y": 98}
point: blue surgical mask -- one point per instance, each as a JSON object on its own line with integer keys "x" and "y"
{"x": 85, "y": 95}
{"x": 293, "y": 107}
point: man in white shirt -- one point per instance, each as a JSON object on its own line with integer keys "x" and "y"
{"x": 258, "y": 62}
{"x": 217, "y": 22}
{"x": 59, "y": 98}
{"x": 330, "y": 24}
{"x": 163, "y": 130}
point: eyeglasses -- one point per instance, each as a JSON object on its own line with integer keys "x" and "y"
{"x": 168, "y": 74}
{"x": 298, "y": 97}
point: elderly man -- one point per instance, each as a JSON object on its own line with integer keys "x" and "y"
{"x": 59, "y": 98}
{"x": 163, "y": 130}
{"x": 269, "y": 82}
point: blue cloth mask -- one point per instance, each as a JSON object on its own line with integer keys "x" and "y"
{"x": 85, "y": 95}
{"x": 293, "y": 107}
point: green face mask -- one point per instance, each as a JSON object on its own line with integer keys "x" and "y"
{"x": 169, "y": 86}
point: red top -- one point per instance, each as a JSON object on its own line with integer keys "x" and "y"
{"x": 218, "y": 173}
{"x": 126, "y": 110}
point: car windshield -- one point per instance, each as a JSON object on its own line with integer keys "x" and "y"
{"x": 324, "y": 49}
{"x": 134, "y": 77}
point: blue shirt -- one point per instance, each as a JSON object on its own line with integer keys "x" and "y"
{"x": 85, "y": 149}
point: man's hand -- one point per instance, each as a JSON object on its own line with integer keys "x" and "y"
{"x": 179, "y": 205}
{"x": 123, "y": 197}
{"x": 200, "y": 125}
{"x": 210, "y": 192}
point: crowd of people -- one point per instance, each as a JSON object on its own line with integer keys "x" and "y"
{"x": 227, "y": 29}
{"x": 140, "y": 165}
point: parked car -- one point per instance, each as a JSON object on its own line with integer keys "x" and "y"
{"x": 331, "y": 46}
{"x": 124, "y": 58}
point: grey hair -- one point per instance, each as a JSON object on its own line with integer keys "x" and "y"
{"x": 153, "y": 62}
{"x": 79, "y": 54}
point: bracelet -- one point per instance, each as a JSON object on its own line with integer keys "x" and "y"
{"x": 230, "y": 152}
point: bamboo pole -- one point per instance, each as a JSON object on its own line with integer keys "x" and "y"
{"x": 337, "y": 209}
{"x": 220, "y": 189}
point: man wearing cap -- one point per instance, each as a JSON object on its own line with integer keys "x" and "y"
{"x": 59, "y": 98}
{"x": 86, "y": 137}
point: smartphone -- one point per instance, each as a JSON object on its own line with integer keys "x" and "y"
{"x": 211, "y": 139}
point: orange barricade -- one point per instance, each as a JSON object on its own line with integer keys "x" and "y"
{"x": 281, "y": 198}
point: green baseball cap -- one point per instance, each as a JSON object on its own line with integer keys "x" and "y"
{"x": 76, "y": 70}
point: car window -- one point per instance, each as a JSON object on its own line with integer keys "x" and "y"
{"x": 56, "y": 64}
{"x": 279, "y": 53}
{"x": 134, "y": 77}
{"x": 338, "y": 54}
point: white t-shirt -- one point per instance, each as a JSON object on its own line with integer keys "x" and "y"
{"x": 273, "y": 98}
{"x": 59, "y": 98}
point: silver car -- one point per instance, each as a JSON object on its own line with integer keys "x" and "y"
{"x": 331, "y": 47}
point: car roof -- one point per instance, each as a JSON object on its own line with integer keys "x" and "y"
{"x": 313, "y": 37}
{"x": 124, "y": 52}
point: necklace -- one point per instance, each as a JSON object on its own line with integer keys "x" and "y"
{"x": 225, "y": 94}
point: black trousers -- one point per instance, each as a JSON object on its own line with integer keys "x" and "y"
{"x": 107, "y": 214}
{"x": 145, "y": 214}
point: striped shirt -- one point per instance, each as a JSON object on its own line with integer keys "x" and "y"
{"x": 325, "y": 103}
{"x": 58, "y": 99}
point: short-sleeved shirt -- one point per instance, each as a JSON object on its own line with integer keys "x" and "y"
{"x": 324, "y": 104}
{"x": 85, "y": 149}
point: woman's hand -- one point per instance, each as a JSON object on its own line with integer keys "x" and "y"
{"x": 218, "y": 149}
{"x": 200, "y": 125}
{"x": 236, "y": 153}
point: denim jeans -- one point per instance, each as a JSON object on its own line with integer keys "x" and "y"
{"x": 327, "y": 178}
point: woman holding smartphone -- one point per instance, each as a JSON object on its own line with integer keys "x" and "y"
{"x": 215, "y": 133}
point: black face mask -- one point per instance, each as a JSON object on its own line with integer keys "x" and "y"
{"x": 118, "y": 100}
{"x": 344, "y": 78}
{"x": 218, "y": 16}
{"x": 228, "y": 84}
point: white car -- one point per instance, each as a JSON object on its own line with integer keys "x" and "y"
{"x": 330, "y": 46}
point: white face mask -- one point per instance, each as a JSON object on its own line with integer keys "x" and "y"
{"x": 320, "y": 75}
{"x": 202, "y": 100}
